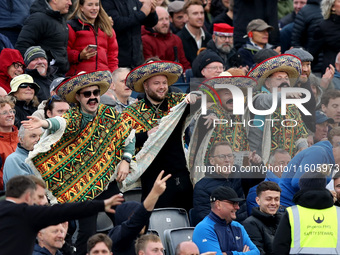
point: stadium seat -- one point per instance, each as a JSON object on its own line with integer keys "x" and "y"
{"x": 175, "y": 236}
{"x": 133, "y": 195}
{"x": 104, "y": 223}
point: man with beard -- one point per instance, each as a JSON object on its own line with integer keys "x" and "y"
{"x": 90, "y": 140}
{"x": 154, "y": 78}
{"x": 37, "y": 66}
{"x": 161, "y": 42}
{"x": 222, "y": 44}
{"x": 265, "y": 135}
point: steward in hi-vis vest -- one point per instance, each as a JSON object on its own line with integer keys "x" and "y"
{"x": 312, "y": 225}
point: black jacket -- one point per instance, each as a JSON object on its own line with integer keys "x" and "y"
{"x": 261, "y": 228}
{"x": 190, "y": 45}
{"x": 327, "y": 40}
{"x": 315, "y": 199}
{"x": 48, "y": 29}
{"x": 22, "y": 111}
{"x": 232, "y": 59}
{"x": 130, "y": 218}
{"x": 305, "y": 24}
{"x": 289, "y": 18}
{"x": 127, "y": 21}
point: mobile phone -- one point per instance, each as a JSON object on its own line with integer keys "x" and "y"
{"x": 93, "y": 46}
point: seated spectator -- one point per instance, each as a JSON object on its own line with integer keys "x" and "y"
{"x": 264, "y": 220}
{"x": 177, "y": 16}
{"x": 219, "y": 231}
{"x": 38, "y": 68}
{"x": 264, "y": 54}
{"x": 208, "y": 64}
{"x": 336, "y": 180}
{"x": 189, "y": 248}
{"x": 193, "y": 36}
{"x": 161, "y": 42}
{"x": 92, "y": 44}
{"x": 99, "y": 244}
{"x": 330, "y": 105}
{"x": 336, "y": 79}
{"x": 15, "y": 163}
{"x": 132, "y": 219}
{"x": 11, "y": 65}
{"x": 148, "y": 245}
{"x": 24, "y": 90}
{"x": 222, "y": 162}
{"x": 8, "y": 132}
{"x": 222, "y": 44}
{"x": 118, "y": 95}
{"x": 322, "y": 126}
{"x": 50, "y": 240}
{"x": 258, "y": 36}
{"x": 277, "y": 163}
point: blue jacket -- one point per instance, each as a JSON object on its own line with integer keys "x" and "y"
{"x": 43, "y": 251}
{"x": 15, "y": 164}
{"x": 203, "y": 190}
{"x": 214, "y": 234}
{"x": 251, "y": 202}
{"x": 306, "y": 160}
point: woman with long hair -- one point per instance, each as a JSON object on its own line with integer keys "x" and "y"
{"x": 92, "y": 44}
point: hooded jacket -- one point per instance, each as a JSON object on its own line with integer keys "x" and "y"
{"x": 46, "y": 28}
{"x": 166, "y": 46}
{"x": 130, "y": 218}
{"x": 7, "y": 58}
{"x": 80, "y": 35}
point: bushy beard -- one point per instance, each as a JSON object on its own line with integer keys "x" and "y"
{"x": 225, "y": 48}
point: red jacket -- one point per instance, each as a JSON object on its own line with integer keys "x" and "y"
{"x": 82, "y": 34}
{"x": 7, "y": 58}
{"x": 162, "y": 46}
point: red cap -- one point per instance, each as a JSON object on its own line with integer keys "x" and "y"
{"x": 223, "y": 29}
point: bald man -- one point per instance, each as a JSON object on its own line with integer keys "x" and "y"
{"x": 190, "y": 248}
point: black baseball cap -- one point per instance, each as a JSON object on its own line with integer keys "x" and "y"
{"x": 225, "y": 193}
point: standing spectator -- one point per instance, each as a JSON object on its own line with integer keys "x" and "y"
{"x": 12, "y": 17}
{"x": 39, "y": 197}
{"x": 128, "y": 17}
{"x": 118, "y": 95}
{"x": 38, "y": 68}
{"x": 50, "y": 240}
{"x": 177, "y": 16}
{"x": 161, "y": 42}
{"x": 330, "y": 104}
{"x": 8, "y": 132}
{"x": 336, "y": 79}
{"x": 225, "y": 16}
{"x": 262, "y": 224}
{"x": 15, "y": 163}
{"x": 193, "y": 36}
{"x": 92, "y": 44}
{"x": 11, "y": 65}
{"x": 24, "y": 89}
{"x": 46, "y": 27}
{"x": 289, "y": 18}
{"x": 99, "y": 244}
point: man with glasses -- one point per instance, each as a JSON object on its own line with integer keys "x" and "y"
{"x": 78, "y": 160}
{"x": 222, "y": 43}
{"x": 208, "y": 64}
{"x": 8, "y": 132}
{"x": 222, "y": 172}
{"x": 219, "y": 231}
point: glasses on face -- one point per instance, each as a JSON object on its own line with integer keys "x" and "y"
{"x": 26, "y": 85}
{"x": 215, "y": 68}
{"x": 87, "y": 94}
{"x": 231, "y": 202}
{"x": 224, "y": 38}
{"x": 224, "y": 156}
{"x": 18, "y": 65}
{"x": 10, "y": 112}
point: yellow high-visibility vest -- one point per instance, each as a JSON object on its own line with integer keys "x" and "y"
{"x": 314, "y": 231}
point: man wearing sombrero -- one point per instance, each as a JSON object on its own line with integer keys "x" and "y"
{"x": 153, "y": 79}
{"x": 78, "y": 160}
{"x": 265, "y": 135}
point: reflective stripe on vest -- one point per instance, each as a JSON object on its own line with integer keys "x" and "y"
{"x": 316, "y": 231}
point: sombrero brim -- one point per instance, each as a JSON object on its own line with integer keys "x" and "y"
{"x": 68, "y": 88}
{"x": 209, "y": 86}
{"x": 140, "y": 74}
{"x": 287, "y": 63}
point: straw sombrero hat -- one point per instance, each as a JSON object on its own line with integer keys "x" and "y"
{"x": 209, "y": 85}
{"x": 69, "y": 87}
{"x": 137, "y": 76}
{"x": 287, "y": 63}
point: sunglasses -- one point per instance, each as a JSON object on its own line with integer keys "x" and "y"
{"x": 87, "y": 94}
{"x": 25, "y": 85}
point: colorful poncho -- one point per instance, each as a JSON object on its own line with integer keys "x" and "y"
{"x": 79, "y": 166}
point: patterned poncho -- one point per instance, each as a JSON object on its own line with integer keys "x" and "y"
{"x": 79, "y": 165}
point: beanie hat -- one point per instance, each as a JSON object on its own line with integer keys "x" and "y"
{"x": 303, "y": 55}
{"x": 203, "y": 59}
{"x": 312, "y": 180}
{"x": 32, "y": 53}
